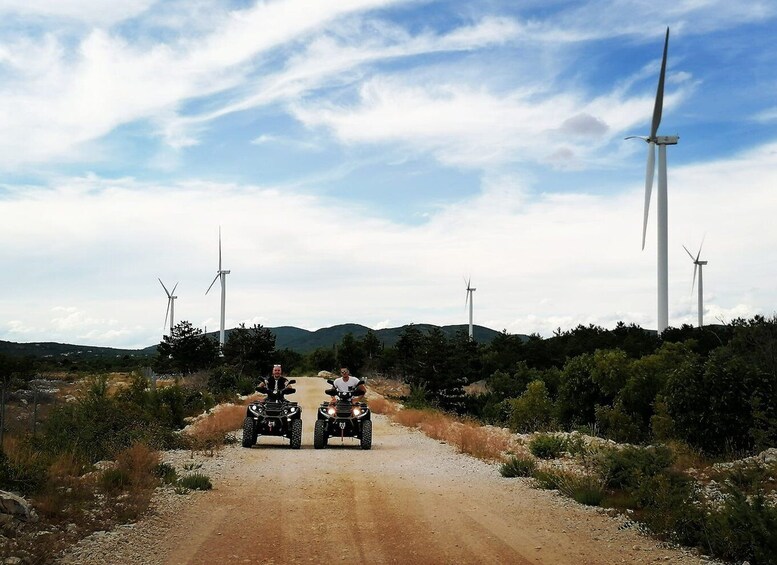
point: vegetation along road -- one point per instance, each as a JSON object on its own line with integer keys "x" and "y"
{"x": 410, "y": 499}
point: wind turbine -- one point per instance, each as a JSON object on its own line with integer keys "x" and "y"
{"x": 470, "y": 290}
{"x": 661, "y": 198}
{"x": 221, "y": 274}
{"x": 698, "y": 265}
{"x": 170, "y": 305}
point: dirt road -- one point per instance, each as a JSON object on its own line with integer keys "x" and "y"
{"x": 408, "y": 500}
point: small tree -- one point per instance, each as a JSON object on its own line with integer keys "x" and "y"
{"x": 250, "y": 350}
{"x": 350, "y": 353}
{"x": 533, "y": 410}
{"x": 185, "y": 350}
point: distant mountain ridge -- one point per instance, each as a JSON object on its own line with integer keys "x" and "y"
{"x": 286, "y": 337}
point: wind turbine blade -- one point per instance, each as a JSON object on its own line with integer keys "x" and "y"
{"x": 659, "y": 106}
{"x": 219, "y": 248}
{"x": 651, "y": 168}
{"x": 689, "y": 253}
{"x": 466, "y": 300}
{"x": 214, "y": 282}
{"x": 173, "y": 291}
{"x": 163, "y": 286}
{"x": 700, "y": 246}
{"x": 167, "y": 312}
{"x": 693, "y": 284}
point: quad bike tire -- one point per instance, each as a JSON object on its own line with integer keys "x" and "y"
{"x": 296, "y": 434}
{"x": 366, "y": 441}
{"x": 249, "y": 432}
{"x": 319, "y": 435}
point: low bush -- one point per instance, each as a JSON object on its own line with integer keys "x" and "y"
{"x": 195, "y": 481}
{"x": 518, "y": 467}
{"x": 585, "y": 489}
{"x": 548, "y": 479}
{"x": 22, "y": 469}
{"x": 745, "y": 528}
{"x": 629, "y": 466}
{"x": 114, "y": 480}
{"x": 166, "y": 473}
{"x": 547, "y": 446}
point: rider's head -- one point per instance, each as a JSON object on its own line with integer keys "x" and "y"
{"x": 345, "y": 373}
{"x": 276, "y": 371}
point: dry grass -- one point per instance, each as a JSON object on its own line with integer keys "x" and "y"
{"x": 483, "y": 443}
{"x": 207, "y": 434}
{"x": 380, "y": 405}
{"x": 390, "y": 388}
{"x": 139, "y": 462}
{"x": 488, "y": 444}
{"x": 410, "y": 417}
{"x": 439, "y": 426}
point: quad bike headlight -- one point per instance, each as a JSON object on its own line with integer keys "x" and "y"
{"x": 331, "y": 410}
{"x": 357, "y": 411}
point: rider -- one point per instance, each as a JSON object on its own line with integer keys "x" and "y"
{"x": 276, "y": 383}
{"x": 348, "y": 383}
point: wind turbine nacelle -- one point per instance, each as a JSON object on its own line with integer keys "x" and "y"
{"x": 667, "y": 139}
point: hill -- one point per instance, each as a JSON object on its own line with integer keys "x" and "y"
{"x": 286, "y": 337}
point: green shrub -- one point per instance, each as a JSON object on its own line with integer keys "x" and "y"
{"x": 749, "y": 477}
{"x": 116, "y": 479}
{"x": 26, "y": 474}
{"x": 195, "y": 481}
{"x": 518, "y": 467}
{"x": 533, "y": 410}
{"x": 167, "y": 473}
{"x": 746, "y": 529}
{"x": 546, "y": 446}
{"x": 548, "y": 479}
{"x": 627, "y": 467}
{"x": 585, "y": 489}
{"x": 418, "y": 398}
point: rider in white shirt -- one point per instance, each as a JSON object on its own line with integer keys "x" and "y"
{"x": 348, "y": 383}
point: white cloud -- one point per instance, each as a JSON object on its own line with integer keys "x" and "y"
{"x": 461, "y": 125}
{"x": 539, "y": 261}
{"x": 57, "y": 99}
{"x": 93, "y": 12}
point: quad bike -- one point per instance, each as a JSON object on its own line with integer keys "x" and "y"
{"x": 342, "y": 419}
{"x": 275, "y": 416}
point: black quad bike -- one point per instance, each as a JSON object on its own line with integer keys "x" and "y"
{"x": 275, "y": 416}
{"x": 342, "y": 419}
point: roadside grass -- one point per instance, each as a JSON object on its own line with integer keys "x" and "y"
{"x": 379, "y": 405}
{"x": 209, "y": 433}
{"x": 518, "y": 467}
{"x": 467, "y": 436}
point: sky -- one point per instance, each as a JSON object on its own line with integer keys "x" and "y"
{"x": 364, "y": 158}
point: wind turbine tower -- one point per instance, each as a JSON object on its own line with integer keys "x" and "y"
{"x": 470, "y": 290}
{"x": 661, "y": 141}
{"x": 697, "y": 264}
{"x": 170, "y": 305}
{"x": 221, "y": 274}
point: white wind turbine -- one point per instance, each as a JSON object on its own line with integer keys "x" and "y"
{"x": 221, "y": 274}
{"x": 697, "y": 264}
{"x": 469, "y": 297}
{"x": 661, "y": 198}
{"x": 170, "y": 305}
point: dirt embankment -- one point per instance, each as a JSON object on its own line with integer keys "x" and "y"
{"x": 408, "y": 500}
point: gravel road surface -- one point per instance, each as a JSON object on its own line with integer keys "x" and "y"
{"x": 410, "y": 499}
